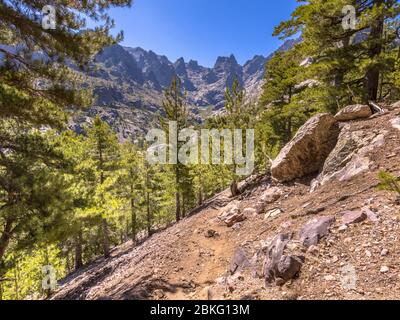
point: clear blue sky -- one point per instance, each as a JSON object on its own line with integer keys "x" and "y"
{"x": 203, "y": 29}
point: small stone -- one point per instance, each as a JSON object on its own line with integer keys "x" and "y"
{"x": 210, "y": 234}
{"x": 250, "y": 212}
{"x": 368, "y": 253}
{"x": 371, "y": 215}
{"x": 343, "y": 228}
{"x": 330, "y": 278}
{"x": 385, "y": 269}
{"x": 273, "y": 213}
{"x": 352, "y": 217}
{"x": 384, "y": 252}
{"x": 159, "y": 294}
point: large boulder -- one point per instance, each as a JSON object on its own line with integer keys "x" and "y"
{"x": 357, "y": 111}
{"x": 307, "y": 151}
{"x": 350, "y": 157}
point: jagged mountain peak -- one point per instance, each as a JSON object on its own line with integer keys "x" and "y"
{"x": 223, "y": 61}
{"x": 180, "y": 67}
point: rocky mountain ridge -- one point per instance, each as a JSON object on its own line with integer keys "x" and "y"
{"x": 128, "y": 84}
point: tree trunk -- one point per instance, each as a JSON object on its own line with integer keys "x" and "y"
{"x": 177, "y": 195}
{"x": 371, "y": 81}
{"x": 149, "y": 220}
{"x": 5, "y": 238}
{"x": 106, "y": 238}
{"x": 200, "y": 200}
{"x": 183, "y": 210}
{"x": 235, "y": 189}
{"x": 133, "y": 222}
{"x": 177, "y": 207}
{"x": 78, "y": 250}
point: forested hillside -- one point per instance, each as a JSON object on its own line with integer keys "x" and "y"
{"x": 75, "y": 179}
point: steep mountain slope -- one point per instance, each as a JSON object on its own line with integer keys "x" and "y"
{"x": 204, "y": 258}
{"x": 128, "y": 84}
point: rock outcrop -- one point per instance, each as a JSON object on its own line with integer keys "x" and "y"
{"x": 307, "y": 151}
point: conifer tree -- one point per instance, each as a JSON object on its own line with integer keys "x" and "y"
{"x": 176, "y": 110}
{"x": 103, "y": 145}
{"x": 36, "y": 87}
{"x": 347, "y": 57}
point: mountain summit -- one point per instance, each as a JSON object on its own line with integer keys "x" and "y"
{"x": 128, "y": 84}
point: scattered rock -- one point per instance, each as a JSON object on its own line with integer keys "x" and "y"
{"x": 371, "y": 215}
{"x": 307, "y": 151}
{"x": 271, "y": 195}
{"x": 353, "y": 217}
{"x": 211, "y": 233}
{"x": 343, "y": 228}
{"x": 159, "y": 294}
{"x": 384, "y": 269}
{"x": 354, "y": 112}
{"x": 273, "y": 213}
{"x": 329, "y": 278}
{"x": 384, "y": 252}
{"x": 249, "y": 211}
{"x": 239, "y": 261}
{"x": 315, "y": 230}
{"x": 335, "y": 259}
{"x": 280, "y": 268}
{"x": 396, "y": 123}
{"x": 237, "y": 226}
{"x": 232, "y": 215}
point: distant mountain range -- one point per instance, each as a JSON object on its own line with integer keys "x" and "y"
{"x": 128, "y": 84}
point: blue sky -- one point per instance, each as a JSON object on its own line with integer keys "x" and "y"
{"x": 203, "y": 29}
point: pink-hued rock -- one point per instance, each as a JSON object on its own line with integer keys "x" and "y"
{"x": 371, "y": 215}
{"x": 315, "y": 230}
{"x": 352, "y": 217}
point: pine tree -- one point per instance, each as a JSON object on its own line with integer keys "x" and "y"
{"x": 239, "y": 116}
{"x": 131, "y": 180}
{"x": 36, "y": 87}
{"x": 176, "y": 110}
{"x": 103, "y": 146}
{"x": 347, "y": 59}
